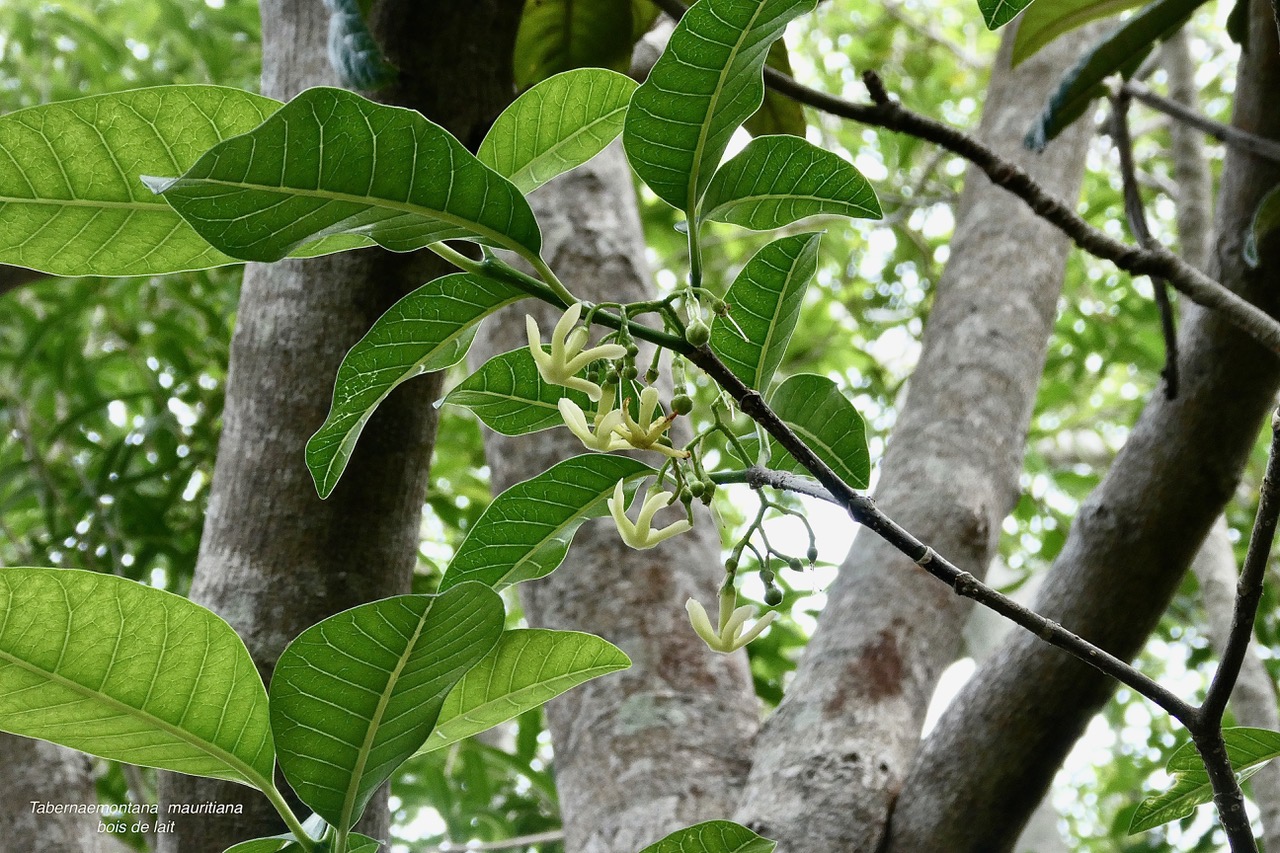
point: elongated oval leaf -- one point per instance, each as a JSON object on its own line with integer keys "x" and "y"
{"x": 764, "y": 306}
{"x": 331, "y": 162}
{"x": 128, "y": 672}
{"x": 511, "y": 397}
{"x": 778, "y": 113}
{"x": 556, "y": 126}
{"x": 355, "y": 695}
{"x": 429, "y": 329}
{"x": 713, "y": 836}
{"x": 703, "y": 87}
{"x": 1121, "y": 52}
{"x": 997, "y": 13}
{"x": 71, "y": 202}
{"x": 559, "y": 35}
{"x": 525, "y": 532}
{"x": 529, "y": 667}
{"x": 777, "y": 180}
{"x": 814, "y": 407}
{"x": 1044, "y": 22}
{"x": 1246, "y": 747}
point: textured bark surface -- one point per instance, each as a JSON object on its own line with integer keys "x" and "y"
{"x": 37, "y": 771}
{"x": 275, "y": 559}
{"x": 833, "y": 758}
{"x": 664, "y": 744}
{"x": 1130, "y": 544}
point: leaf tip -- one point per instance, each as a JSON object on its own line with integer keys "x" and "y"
{"x": 157, "y": 185}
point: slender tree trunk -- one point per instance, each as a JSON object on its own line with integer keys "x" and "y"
{"x": 832, "y": 760}
{"x": 994, "y": 753}
{"x": 663, "y": 745}
{"x": 274, "y": 558}
{"x": 37, "y": 772}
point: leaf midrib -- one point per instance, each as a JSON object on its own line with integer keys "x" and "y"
{"x": 527, "y": 168}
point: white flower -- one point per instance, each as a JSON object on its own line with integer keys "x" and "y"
{"x": 567, "y": 355}
{"x": 641, "y": 534}
{"x": 730, "y": 637}
{"x": 600, "y": 436}
{"x": 646, "y": 433}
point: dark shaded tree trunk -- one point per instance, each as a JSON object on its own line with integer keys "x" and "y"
{"x": 994, "y": 753}
{"x": 832, "y": 759}
{"x": 40, "y": 772}
{"x": 274, "y": 558}
{"x": 663, "y": 745}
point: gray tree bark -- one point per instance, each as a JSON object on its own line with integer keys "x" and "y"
{"x": 832, "y": 759}
{"x": 994, "y": 753}
{"x": 40, "y": 772}
{"x": 274, "y": 558}
{"x": 663, "y": 745}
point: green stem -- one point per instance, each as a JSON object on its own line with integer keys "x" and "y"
{"x": 550, "y": 278}
{"x": 306, "y": 842}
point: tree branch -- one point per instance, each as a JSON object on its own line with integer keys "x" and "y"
{"x": 1233, "y": 136}
{"x": 1156, "y": 261}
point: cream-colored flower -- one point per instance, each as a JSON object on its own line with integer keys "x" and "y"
{"x": 641, "y": 535}
{"x": 599, "y": 436}
{"x": 730, "y": 637}
{"x": 646, "y": 433}
{"x": 568, "y": 355}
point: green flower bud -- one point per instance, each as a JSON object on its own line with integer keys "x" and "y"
{"x": 632, "y": 350}
{"x": 682, "y": 404}
{"x": 696, "y": 488}
{"x": 630, "y": 372}
{"x": 697, "y": 334}
{"x": 731, "y": 564}
{"x": 767, "y": 577}
{"x": 813, "y": 554}
{"x": 795, "y": 564}
{"x": 772, "y": 596}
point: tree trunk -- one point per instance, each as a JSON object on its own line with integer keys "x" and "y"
{"x": 994, "y": 753}
{"x": 37, "y": 772}
{"x": 276, "y": 559}
{"x": 832, "y": 759}
{"x": 664, "y": 744}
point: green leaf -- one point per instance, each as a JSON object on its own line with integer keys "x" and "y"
{"x": 528, "y": 668}
{"x": 560, "y": 35}
{"x": 430, "y": 329}
{"x": 1121, "y": 52}
{"x": 816, "y": 410}
{"x": 70, "y": 199}
{"x": 778, "y": 113}
{"x": 1044, "y": 22}
{"x": 356, "y": 843}
{"x": 714, "y": 836}
{"x": 703, "y": 87}
{"x": 764, "y": 303}
{"x": 131, "y": 673}
{"x": 331, "y": 162}
{"x": 1247, "y": 749}
{"x": 1265, "y": 224}
{"x": 511, "y": 397}
{"x": 556, "y": 126}
{"x": 356, "y": 695}
{"x": 525, "y": 532}
{"x": 997, "y": 13}
{"x": 777, "y": 180}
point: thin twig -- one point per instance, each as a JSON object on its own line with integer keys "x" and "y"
{"x": 1227, "y": 796}
{"x": 1137, "y": 217}
{"x": 1249, "y": 589}
{"x": 1155, "y": 261}
{"x": 1233, "y": 136}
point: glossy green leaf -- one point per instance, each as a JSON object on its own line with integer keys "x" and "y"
{"x": 129, "y": 672}
{"x": 1265, "y": 225}
{"x": 703, "y": 87}
{"x": 71, "y": 202}
{"x": 331, "y": 162}
{"x": 511, "y": 397}
{"x": 430, "y": 329}
{"x": 713, "y": 836}
{"x": 997, "y": 13}
{"x": 764, "y": 306}
{"x": 525, "y": 532}
{"x": 778, "y": 113}
{"x": 777, "y": 180}
{"x": 355, "y": 695}
{"x": 556, "y": 126}
{"x": 1044, "y": 22}
{"x": 356, "y": 843}
{"x": 1120, "y": 52}
{"x": 1247, "y": 748}
{"x": 814, "y": 407}
{"x": 560, "y": 35}
{"x": 528, "y": 668}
